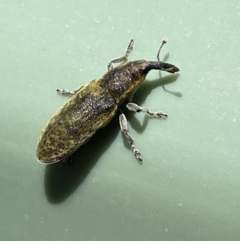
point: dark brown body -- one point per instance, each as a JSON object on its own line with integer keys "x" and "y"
{"x": 92, "y": 107}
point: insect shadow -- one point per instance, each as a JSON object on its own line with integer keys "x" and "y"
{"x": 60, "y": 181}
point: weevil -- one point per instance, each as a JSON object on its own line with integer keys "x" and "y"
{"x": 93, "y": 106}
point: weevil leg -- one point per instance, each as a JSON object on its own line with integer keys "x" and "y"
{"x": 124, "y": 129}
{"x": 136, "y": 108}
{"x": 123, "y": 58}
{"x": 68, "y": 92}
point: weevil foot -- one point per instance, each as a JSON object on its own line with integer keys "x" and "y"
{"x": 136, "y": 108}
{"x": 137, "y": 154}
{"x": 123, "y": 58}
{"x": 124, "y": 129}
{"x": 68, "y": 92}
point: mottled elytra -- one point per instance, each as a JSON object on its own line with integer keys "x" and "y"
{"x": 93, "y": 106}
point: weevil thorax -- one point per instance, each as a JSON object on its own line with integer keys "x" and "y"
{"x": 124, "y": 80}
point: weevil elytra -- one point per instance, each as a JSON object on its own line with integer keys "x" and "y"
{"x": 93, "y": 106}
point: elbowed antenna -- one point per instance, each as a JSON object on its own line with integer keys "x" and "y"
{"x": 164, "y": 41}
{"x": 161, "y": 65}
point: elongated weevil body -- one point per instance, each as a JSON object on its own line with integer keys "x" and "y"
{"x": 93, "y": 106}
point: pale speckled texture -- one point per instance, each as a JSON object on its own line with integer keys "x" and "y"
{"x": 187, "y": 187}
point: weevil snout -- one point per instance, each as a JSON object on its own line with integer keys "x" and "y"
{"x": 169, "y": 68}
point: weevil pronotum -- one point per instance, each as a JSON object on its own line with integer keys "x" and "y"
{"x": 93, "y": 106}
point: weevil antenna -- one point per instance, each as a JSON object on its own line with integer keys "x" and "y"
{"x": 164, "y": 41}
{"x": 129, "y": 48}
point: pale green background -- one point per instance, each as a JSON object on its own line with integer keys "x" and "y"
{"x": 188, "y": 185}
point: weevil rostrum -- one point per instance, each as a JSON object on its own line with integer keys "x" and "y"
{"x": 93, "y": 106}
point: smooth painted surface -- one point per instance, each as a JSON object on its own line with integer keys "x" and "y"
{"x": 188, "y": 185}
